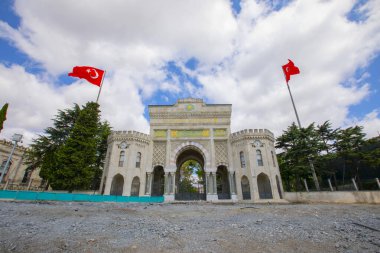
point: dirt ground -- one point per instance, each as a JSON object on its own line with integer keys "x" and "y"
{"x": 187, "y": 227}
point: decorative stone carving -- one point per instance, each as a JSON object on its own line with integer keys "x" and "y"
{"x": 221, "y": 152}
{"x": 159, "y": 152}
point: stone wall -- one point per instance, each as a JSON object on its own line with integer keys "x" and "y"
{"x": 349, "y": 197}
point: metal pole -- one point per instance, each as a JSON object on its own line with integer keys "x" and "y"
{"x": 315, "y": 179}
{"x": 294, "y": 106}
{"x": 101, "y": 85}
{"x": 8, "y": 161}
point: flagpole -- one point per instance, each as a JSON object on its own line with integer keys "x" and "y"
{"x": 315, "y": 179}
{"x": 294, "y": 106}
{"x": 101, "y": 85}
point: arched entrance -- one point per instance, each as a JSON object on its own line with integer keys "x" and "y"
{"x": 222, "y": 183}
{"x": 246, "y": 190}
{"x": 158, "y": 183}
{"x": 263, "y": 183}
{"x": 117, "y": 185}
{"x": 190, "y": 175}
{"x": 278, "y": 187}
{"x": 135, "y": 189}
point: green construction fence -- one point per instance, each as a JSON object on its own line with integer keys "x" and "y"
{"x": 57, "y": 196}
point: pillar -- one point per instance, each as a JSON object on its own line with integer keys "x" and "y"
{"x": 214, "y": 183}
{"x": 173, "y": 184}
{"x": 148, "y": 183}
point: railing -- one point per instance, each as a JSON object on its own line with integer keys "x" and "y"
{"x": 190, "y": 196}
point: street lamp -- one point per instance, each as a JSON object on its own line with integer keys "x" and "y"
{"x": 16, "y": 138}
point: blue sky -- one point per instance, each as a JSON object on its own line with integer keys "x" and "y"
{"x": 230, "y": 52}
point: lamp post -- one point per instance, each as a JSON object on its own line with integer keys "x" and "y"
{"x": 16, "y": 138}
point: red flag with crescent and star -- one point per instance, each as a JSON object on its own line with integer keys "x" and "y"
{"x": 290, "y": 69}
{"x": 91, "y": 74}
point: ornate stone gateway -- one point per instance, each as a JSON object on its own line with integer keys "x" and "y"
{"x": 190, "y": 175}
{"x": 191, "y": 154}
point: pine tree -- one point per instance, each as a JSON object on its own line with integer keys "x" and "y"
{"x": 47, "y": 150}
{"x": 43, "y": 151}
{"x": 3, "y": 115}
{"x": 77, "y": 158}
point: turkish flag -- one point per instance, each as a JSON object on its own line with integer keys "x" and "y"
{"x": 91, "y": 74}
{"x": 290, "y": 69}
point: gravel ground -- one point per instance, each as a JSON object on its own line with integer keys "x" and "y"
{"x": 187, "y": 227}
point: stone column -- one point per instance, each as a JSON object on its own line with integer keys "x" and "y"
{"x": 214, "y": 182}
{"x": 173, "y": 184}
{"x": 232, "y": 183}
{"x": 210, "y": 186}
{"x": 148, "y": 183}
{"x": 168, "y": 194}
{"x": 209, "y": 183}
{"x": 166, "y": 188}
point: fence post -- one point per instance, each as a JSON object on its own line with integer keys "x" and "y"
{"x": 378, "y": 183}
{"x": 6, "y": 184}
{"x": 353, "y": 181}
{"x": 331, "y": 188}
{"x": 30, "y": 183}
{"x": 307, "y": 188}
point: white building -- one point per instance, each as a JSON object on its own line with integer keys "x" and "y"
{"x": 236, "y": 166}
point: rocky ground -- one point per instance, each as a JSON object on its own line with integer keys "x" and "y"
{"x": 128, "y": 227}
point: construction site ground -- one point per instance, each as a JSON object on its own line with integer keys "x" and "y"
{"x": 187, "y": 227}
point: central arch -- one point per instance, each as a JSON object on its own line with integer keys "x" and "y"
{"x": 190, "y": 175}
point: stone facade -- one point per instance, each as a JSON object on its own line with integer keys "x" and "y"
{"x": 236, "y": 166}
{"x": 17, "y": 176}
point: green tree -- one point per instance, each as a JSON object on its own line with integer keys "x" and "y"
{"x": 191, "y": 174}
{"x": 104, "y": 130}
{"x": 45, "y": 149}
{"x": 348, "y": 147}
{"x": 77, "y": 158}
{"x": 299, "y": 146}
{"x": 3, "y": 115}
{"x": 371, "y": 152}
{"x": 328, "y": 137}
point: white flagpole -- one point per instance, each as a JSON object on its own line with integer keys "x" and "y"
{"x": 101, "y": 85}
{"x": 294, "y": 106}
{"x": 315, "y": 179}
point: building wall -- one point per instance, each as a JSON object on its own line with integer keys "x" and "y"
{"x": 136, "y": 142}
{"x": 191, "y": 123}
{"x": 17, "y": 168}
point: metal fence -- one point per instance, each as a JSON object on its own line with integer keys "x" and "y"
{"x": 53, "y": 196}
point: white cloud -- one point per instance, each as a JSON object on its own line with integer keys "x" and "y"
{"x": 239, "y": 58}
{"x": 370, "y": 123}
{"x": 326, "y": 46}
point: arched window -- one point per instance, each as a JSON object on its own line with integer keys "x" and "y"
{"x": 121, "y": 158}
{"x": 259, "y": 158}
{"x": 138, "y": 160}
{"x": 27, "y": 175}
{"x": 274, "y": 163}
{"x": 242, "y": 159}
